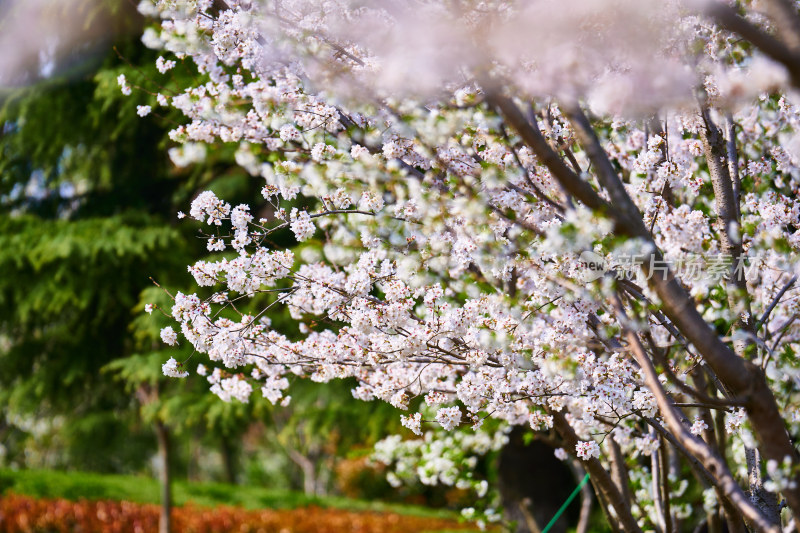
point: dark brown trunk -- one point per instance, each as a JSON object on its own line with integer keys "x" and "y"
{"x": 162, "y": 435}
{"x": 619, "y": 472}
{"x": 228, "y": 460}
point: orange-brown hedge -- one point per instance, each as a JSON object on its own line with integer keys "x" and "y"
{"x": 23, "y": 514}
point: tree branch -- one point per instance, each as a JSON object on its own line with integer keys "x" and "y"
{"x": 715, "y": 465}
{"x": 729, "y": 19}
{"x": 600, "y": 478}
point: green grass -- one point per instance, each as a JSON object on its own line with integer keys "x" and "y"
{"x": 91, "y": 486}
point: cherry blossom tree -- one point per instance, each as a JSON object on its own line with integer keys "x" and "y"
{"x": 576, "y": 216}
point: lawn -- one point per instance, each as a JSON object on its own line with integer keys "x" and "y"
{"x": 140, "y": 489}
{"x": 47, "y": 486}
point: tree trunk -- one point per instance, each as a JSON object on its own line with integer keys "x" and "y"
{"x": 308, "y": 469}
{"x": 586, "y": 496}
{"x": 193, "y": 465}
{"x": 740, "y": 376}
{"x": 162, "y": 435}
{"x": 228, "y": 460}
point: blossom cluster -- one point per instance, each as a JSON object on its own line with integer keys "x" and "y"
{"x": 444, "y": 458}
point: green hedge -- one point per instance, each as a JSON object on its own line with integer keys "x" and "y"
{"x": 91, "y": 486}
